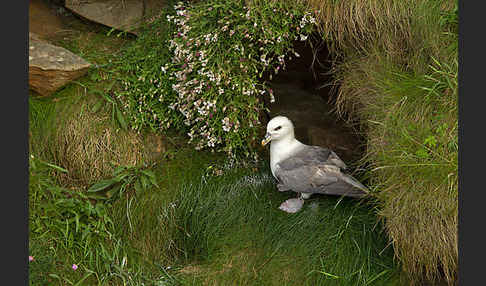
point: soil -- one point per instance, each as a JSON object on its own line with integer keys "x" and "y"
{"x": 49, "y": 20}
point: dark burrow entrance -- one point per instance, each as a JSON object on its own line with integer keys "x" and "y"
{"x": 303, "y": 95}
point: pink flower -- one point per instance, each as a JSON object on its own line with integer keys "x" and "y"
{"x": 74, "y": 267}
{"x": 31, "y": 258}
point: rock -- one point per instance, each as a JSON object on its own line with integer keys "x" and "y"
{"x": 51, "y": 67}
{"x": 43, "y": 21}
{"x": 125, "y": 15}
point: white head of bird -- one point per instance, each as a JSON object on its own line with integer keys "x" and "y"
{"x": 280, "y": 131}
{"x": 280, "y": 128}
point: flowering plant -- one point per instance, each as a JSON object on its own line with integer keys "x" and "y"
{"x": 208, "y": 81}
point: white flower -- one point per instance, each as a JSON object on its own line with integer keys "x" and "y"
{"x": 303, "y": 38}
{"x": 226, "y": 124}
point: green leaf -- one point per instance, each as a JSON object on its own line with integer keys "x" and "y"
{"x": 54, "y": 276}
{"x": 97, "y": 106}
{"x": 121, "y": 119}
{"x": 121, "y": 176}
{"x": 145, "y": 182}
{"x": 137, "y": 186}
{"x": 113, "y": 192}
{"x": 149, "y": 173}
{"x": 422, "y": 153}
{"x": 329, "y": 274}
{"x": 430, "y": 141}
{"x": 151, "y": 176}
{"x": 96, "y": 196}
{"x": 76, "y": 219}
{"x": 82, "y": 279}
{"x": 118, "y": 170}
{"x": 54, "y": 167}
{"x": 102, "y": 185}
{"x": 153, "y": 181}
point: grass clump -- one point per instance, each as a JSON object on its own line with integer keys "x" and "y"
{"x": 200, "y": 69}
{"x": 225, "y": 230}
{"x": 415, "y": 147}
{"x": 80, "y": 135}
{"x": 395, "y": 70}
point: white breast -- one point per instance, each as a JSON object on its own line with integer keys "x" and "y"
{"x": 281, "y": 150}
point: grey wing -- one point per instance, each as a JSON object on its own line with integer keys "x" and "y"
{"x": 319, "y": 155}
{"x": 300, "y": 176}
{"x": 334, "y": 159}
{"x": 303, "y": 177}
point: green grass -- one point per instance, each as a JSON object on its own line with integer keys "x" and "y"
{"x": 209, "y": 221}
{"x": 212, "y": 230}
{"x": 230, "y": 229}
{"x": 395, "y": 70}
{"x": 226, "y": 228}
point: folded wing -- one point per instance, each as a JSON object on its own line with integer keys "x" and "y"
{"x": 317, "y": 170}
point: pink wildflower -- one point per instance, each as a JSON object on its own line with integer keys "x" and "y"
{"x": 74, "y": 267}
{"x": 31, "y": 258}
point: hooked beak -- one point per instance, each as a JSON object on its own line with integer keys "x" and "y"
{"x": 268, "y": 138}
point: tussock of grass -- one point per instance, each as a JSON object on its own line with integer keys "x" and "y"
{"x": 395, "y": 69}
{"x": 406, "y": 30}
{"x": 414, "y": 145}
{"x": 410, "y": 120}
{"x": 66, "y": 132}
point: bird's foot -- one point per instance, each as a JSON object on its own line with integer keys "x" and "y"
{"x": 292, "y": 205}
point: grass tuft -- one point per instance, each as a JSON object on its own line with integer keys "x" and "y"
{"x": 395, "y": 69}
{"x": 228, "y": 229}
{"x": 88, "y": 144}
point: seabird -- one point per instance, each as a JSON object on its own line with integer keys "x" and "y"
{"x": 306, "y": 169}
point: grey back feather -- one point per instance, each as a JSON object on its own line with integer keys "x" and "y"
{"x": 317, "y": 170}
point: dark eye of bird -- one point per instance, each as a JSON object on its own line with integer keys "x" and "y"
{"x": 278, "y": 128}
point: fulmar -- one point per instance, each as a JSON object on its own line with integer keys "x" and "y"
{"x": 306, "y": 169}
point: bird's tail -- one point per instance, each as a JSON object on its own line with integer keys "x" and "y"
{"x": 355, "y": 183}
